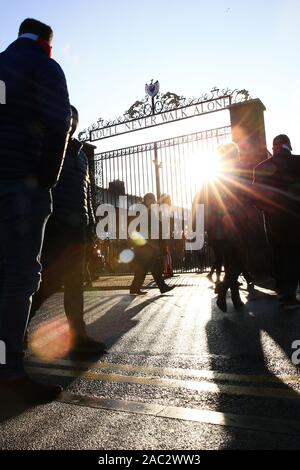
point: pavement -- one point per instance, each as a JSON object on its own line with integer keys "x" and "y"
{"x": 179, "y": 374}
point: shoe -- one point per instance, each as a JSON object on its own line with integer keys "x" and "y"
{"x": 26, "y": 390}
{"x": 85, "y": 344}
{"x": 166, "y": 289}
{"x": 138, "y": 292}
{"x": 292, "y": 304}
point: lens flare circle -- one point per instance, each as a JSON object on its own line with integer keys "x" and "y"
{"x": 51, "y": 340}
{"x": 126, "y": 256}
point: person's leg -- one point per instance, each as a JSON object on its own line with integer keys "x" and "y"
{"x": 154, "y": 266}
{"x": 222, "y": 287}
{"x": 213, "y": 266}
{"x": 140, "y": 272}
{"x": 235, "y": 266}
{"x": 74, "y": 261}
{"x": 234, "y": 258}
{"x": 211, "y": 272}
{"x": 23, "y": 214}
{"x": 218, "y": 258}
{"x": 52, "y": 260}
{"x": 278, "y": 255}
{"x": 157, "y": 275}
{"x": 290, "y": 271}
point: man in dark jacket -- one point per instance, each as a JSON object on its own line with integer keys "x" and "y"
{"x": 277, "y": 192}
{"x": 66, "y": 235}
{"x": 34, "y": 126}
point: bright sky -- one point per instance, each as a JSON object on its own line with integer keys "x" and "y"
{"x": 109, "y": 49}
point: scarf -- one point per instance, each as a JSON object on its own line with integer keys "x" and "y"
{"x": 44, "y": 44}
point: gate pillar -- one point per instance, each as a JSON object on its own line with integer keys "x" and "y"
{"x": 248, "y": 131}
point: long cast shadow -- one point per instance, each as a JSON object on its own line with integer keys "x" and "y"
{"x": 235, "y": 346}
{"x": 113, "y": 324}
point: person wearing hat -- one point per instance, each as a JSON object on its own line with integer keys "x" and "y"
{"x": 277, "y": 192}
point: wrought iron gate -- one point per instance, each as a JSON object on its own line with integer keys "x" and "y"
{"x": 169, "y": 166}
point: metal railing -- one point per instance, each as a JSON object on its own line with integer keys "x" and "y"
{"x": 170, "y": 166}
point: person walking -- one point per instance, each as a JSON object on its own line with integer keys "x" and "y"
{"x": 148, "y": 257}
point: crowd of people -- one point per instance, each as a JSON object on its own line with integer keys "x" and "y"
{"x": 46, "y": 214}
{"x": 274, "y": 190}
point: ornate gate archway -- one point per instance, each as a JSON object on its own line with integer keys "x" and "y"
{"x": 171, "y": 166}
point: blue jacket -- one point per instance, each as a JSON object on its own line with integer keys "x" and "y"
{"x": 72, "y": 203}
{"x": 35, "y": 120}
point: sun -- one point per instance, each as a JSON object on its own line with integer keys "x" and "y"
{"x": 206, "y": 166}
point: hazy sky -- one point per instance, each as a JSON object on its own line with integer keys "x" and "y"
{"x": 110, "y": 49}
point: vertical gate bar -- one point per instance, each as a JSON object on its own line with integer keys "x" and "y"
{"x": 135, "y": 175}
{"x": 114, "y": 168}
{"x": 183, "y": 186}
{"x": 123, "y": 158}
{"x": 150, "y": 167}
{"x": 167, "y": 169}
{"x": 156, "y": 163}
{"x": 178, "y": 200}
{"x": 162, "y": 173}
{"x": 143, "y": 175}
{"x": 109, "y": 178}
{"x": 131, "y": 172}
{"x": 128, "y": 173}
{"x": 139, "y": 175}
{"x": 177, "y": 171}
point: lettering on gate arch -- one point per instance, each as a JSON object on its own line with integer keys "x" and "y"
{"x": 158, "y": 109}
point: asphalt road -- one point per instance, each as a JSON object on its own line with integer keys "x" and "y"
{"x": 179, "y": 374}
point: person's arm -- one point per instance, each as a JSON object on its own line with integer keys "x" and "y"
{"x": 54, "y": 108}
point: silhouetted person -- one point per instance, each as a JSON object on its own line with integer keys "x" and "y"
{"x": 34, "y": 125}
{"x": 225, "y": 222}
{"x": 148, "y": 257}
{"x": 277, "y": 191}
{"x": 63, "y": 255}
